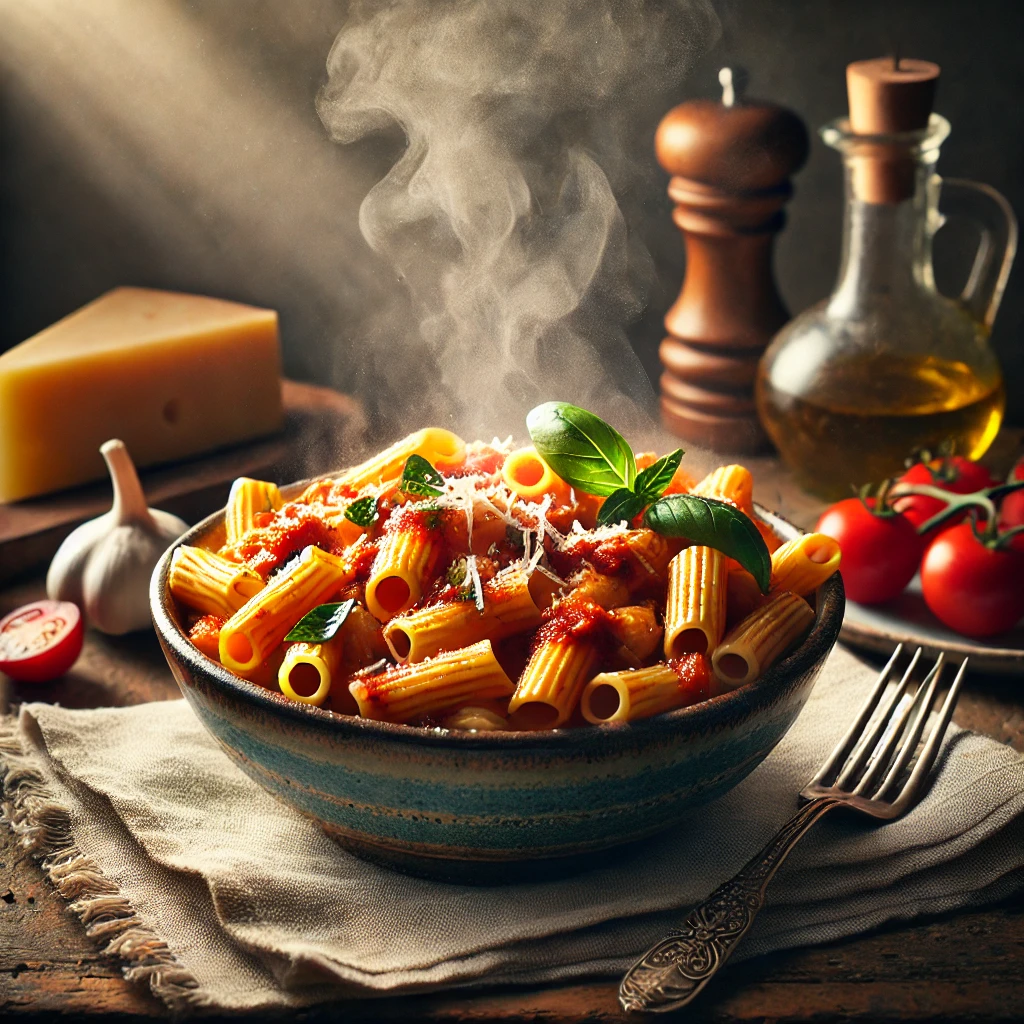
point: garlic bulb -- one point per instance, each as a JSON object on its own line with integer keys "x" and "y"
{"x": 105, "y": 564}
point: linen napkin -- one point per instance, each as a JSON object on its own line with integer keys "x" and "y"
{"x": 221, "y": 896}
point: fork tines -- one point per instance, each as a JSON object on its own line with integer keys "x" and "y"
{"x": 871, "y": 759}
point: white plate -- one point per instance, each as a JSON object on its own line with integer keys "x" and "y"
{"x": 907, "y": 620}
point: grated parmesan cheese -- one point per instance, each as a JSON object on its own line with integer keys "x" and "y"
{"x": 473, "y": 580}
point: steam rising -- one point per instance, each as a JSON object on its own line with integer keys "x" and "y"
{"x": 488, "y": 263}
{"x": 501, "y": 217}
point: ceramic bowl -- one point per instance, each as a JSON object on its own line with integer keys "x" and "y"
{"x": 471, "y": 806}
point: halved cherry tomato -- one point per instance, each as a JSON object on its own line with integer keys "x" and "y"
{"x": 40, "y": 641}
{"x": 956, "y": 474}
{"x": 973, "y": 588}
{"x": 880, "y": 552}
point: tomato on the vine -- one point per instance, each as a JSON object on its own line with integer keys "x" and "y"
{"x": 955, "y": 474}
{"x": 40, "y": 641}
{"x": 974, "y": 588}
{"x": 880, "y": 551}
{"x": 1011, "y": 509}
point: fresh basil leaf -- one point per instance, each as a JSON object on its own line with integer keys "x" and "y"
{"x": 581, "y": 448}
{"x": 621, "y": 505}
{"x": 652, "y": 481}
{"x": 420, "y": 477}
{"x": 362, "y": 512}
{"x": 322, "y": 623}
{"x": 715, "y": 524}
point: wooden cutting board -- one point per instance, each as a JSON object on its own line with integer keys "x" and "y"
{"x": 320, "y": 425}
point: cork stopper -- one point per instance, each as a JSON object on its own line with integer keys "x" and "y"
{"x": 888, "y": 95}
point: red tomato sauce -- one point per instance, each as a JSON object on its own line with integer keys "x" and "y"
{"x": 205, "y": 634}
{"x": 278, "y": 536}
{"x": 694, "y": 677}
{"x": 575, "y": 618}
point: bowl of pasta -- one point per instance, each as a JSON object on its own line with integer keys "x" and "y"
{"x": 458, "y": 657}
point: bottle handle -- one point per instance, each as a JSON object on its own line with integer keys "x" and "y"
{"x": 994, "y": 216}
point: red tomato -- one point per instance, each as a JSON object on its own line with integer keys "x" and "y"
{"x": 956, "y": 474}
{"x": 880, "y": 553}
{"x": 974, "y": 589}
{"x": 40, "y": 641}
{"x": 1011, "y": 509}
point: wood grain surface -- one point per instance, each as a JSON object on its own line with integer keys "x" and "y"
{"x": 967, "y": 967}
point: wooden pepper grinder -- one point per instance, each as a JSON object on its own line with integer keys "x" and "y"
{"x": 730, "y": 164}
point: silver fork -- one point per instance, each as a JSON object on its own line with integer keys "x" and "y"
{"x": 864, "y": 773}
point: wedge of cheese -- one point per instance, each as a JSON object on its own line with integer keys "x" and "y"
{"x": 171, "y": 375}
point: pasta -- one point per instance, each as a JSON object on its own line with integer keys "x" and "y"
{"x": 729, "y": 483}
{"x": 743, "y": 595}
{"x": 754, "y": 644}
{"x": 413, "y": 690}
{"x": 211, "y": 584}
{"x": 364, "y": 640}
{"x": 695, "y": 610}
{"x": 247, "y": 498}
{"x": 529, "y": 476}
{"x": 804, "y": 563}
{"x": 636, "y": 627}
{"x": 249, "y": 636}
{"x": 508, "y": 609}
{"x": 435, "y": 445}
{"x": 481, "y": 595}
{"x": 551, "y": 683}
{"x": 307, "y": 671}
{"x": 409, "y": 555}
{"x": 643, "y": 692}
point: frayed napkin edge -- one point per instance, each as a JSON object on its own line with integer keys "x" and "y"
{"x": 42, "y": 824}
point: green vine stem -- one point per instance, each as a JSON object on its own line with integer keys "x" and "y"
{"x": 980, "y": 503}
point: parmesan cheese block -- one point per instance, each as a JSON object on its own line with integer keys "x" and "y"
{"x": 169, "y": 374}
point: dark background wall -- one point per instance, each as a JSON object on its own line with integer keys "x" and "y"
{"x": 177, "y": 145}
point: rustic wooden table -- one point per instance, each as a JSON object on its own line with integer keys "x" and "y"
{"x": 964, "y": 967}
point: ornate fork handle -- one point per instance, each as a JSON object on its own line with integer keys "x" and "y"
{"x": 671, "y": 973}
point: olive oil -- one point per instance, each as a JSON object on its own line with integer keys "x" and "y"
{"x": 871, "y": 412}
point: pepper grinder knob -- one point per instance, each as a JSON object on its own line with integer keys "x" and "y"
{"x": 730, "y": 163}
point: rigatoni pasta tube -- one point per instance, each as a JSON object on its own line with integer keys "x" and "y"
{"x": 636, "y": 627}
{"x": 308, "y": 670}
{"x": 528, "y": 475}
{"x": 437, "y": 446}
{"x": 248, "y": 497}
{"x": 549, "y": 688}
{"x": 606, "y": 591}
{"x": 729, "y": 483}
{"x": 640, "y": 693}
{"x": 411, "y": 691}
{"x": 651, "y": 555}
{"x": 804, "y": 563}
{"x": 508, "y": 609}
{"x": 209, "y": 583}
{"x": 695, "y": 607}
{"x": 751, "y": 646}
{"x": 743, "y": 595}
{"x": 364, "y": 640}
{"x": 407, "y": 559}
{"x": 262, "y": 622}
